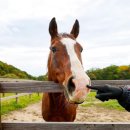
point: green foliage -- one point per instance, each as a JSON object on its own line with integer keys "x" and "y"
{"x": 42, "y": 78}
{"x": 9, "y": 71}
{"x": 112, "y": 72}
{"x": 10, "y": 76}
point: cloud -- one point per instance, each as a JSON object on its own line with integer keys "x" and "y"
{"x": 27, "y": 9}
{"x": 104, "y": 31}
{"x": 105, "y": 56}
{"x": 32, "y": 60}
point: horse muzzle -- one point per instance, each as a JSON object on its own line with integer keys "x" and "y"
{"x": 76, "y": 90}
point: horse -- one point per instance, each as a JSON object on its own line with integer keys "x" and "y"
{"x": 65, "y": 67}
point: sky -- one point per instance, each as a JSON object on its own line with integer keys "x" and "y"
{"x": 104, "y": 31}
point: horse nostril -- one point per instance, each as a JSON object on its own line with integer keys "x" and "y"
{"x": 71, "y": 85}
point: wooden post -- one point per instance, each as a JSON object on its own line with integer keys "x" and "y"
{"x": 3, "y": 94}
{"x": 17, "y": 98}
{"x": 0, "y": 113}
{"x": 30, "y": 95}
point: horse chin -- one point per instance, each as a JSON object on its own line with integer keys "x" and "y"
{"x": 77, "y": 103}
{"x": 68, "y": 98}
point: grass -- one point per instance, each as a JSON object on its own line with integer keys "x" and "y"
{"x": 7, "y": 94}
{"x": 111, "y": 104}
{"x": 92, "y": 101}
{"x": 24, "y": 101}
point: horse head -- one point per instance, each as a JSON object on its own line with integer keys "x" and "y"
{"x": 65, "y": 63}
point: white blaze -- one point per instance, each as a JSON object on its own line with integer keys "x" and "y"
{"x": 76, "y": 66}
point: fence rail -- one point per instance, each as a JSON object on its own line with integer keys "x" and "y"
{"x": 47, "y": 86}
{"x": 35, "y": 86}
{"x": 14, "y": 96}
{"x": 66, "y": 126}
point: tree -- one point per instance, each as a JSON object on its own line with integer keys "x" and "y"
{"x": 9, "y": 70}
{"x": 112, "y": 72}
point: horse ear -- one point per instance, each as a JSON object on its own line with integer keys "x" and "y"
{"x": 53, "y": 28}
{"x": 75, "y": 29}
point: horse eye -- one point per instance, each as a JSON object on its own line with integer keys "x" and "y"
{"x": 53, "y": 49}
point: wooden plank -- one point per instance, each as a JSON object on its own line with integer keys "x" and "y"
{"x": 26, "y": 87}
{"x": 49, "y": 86}
{"x": 14, "y": 96}
{"x": 66, "y": 126}
{"x": 111, "y": 82}
{"x": 14, "y": 80}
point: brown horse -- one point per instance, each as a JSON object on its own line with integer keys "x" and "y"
{"x": 65, "y": 67}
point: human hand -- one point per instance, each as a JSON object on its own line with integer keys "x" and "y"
{"x": 106, "y": 92}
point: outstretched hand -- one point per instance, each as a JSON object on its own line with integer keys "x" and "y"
{"x": 104, "y": 93}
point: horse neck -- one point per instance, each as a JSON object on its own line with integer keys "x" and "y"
{"x": 57, "y": 100}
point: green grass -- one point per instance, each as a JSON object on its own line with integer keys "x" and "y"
{"x": 111, "y": 104}
{"x": 92, "y": 101}
{"x": 24, "y": 101}
{"x": 7, "y": 94}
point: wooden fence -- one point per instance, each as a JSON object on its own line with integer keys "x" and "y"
{"x": 46, "y": 86}
{"x": 16, "y": 96}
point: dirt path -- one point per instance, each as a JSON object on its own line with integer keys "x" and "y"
{"x": 32, "y": 113}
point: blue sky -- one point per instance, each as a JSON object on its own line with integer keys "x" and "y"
{"x": 104, "y": 31}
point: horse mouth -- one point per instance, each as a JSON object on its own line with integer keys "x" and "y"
{"x": 68, "y": 98}
{"x": 75, "y": 102}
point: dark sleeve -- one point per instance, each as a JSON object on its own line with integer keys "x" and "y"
{"x": 124, "y": 100}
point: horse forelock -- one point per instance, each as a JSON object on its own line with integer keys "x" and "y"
{"x": 65, "y": 35}
{"x": 60, "y": 36}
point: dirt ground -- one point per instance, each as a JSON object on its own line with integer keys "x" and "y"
{"x": 32, "y": 113}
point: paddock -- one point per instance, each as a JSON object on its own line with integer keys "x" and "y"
{"x": 46, "y": 86}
